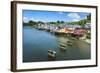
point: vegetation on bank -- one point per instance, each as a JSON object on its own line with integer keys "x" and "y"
{"x": 88, "y": 35}
{"x": 58, "y": 23}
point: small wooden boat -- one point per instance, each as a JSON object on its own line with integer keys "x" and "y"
{"x": 63, "y": 45}
{"x": 69, "y": 43}
{"x": 62, "y": 48}
{"x": 51, "y": 53}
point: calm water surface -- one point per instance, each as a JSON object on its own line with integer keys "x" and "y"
{"x": 37, "y": 42}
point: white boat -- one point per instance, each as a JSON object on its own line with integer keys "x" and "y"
{"x": 62, "y": 48}
{"x": 63, "y": 45}
{"x": 51, "y": 53}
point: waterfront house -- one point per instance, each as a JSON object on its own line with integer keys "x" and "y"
{"x": 79, "y": 32}
{"x": 73, "y": 26}
{"x": 66, "y": 30}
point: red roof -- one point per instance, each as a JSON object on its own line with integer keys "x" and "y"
{"x": 79, "y": 31}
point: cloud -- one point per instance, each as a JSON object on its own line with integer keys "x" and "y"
{"x": 85, "y": 17}
{"x": 75, "y": 20}
{"x": 74, "y": 15}
{"x": 31, "y": 18}
{"x": 25, "y": 19}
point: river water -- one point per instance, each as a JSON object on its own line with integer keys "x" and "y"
{"x": 37, "y": 42}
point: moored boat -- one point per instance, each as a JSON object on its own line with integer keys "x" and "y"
{"x": 69, "y": 43}
{"x": 51, "y": 53}
{"x": 62, "y": 48}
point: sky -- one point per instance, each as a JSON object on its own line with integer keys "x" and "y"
{"x": 52, "y": 16}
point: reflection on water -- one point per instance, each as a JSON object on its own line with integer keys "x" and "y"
{"x": 37, "y": 42}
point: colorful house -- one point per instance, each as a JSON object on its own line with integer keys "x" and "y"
{"x": 79, "y": 32}
{"x": 66, "y": 30}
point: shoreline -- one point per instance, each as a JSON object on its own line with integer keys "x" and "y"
{"x": 87, "y": 41}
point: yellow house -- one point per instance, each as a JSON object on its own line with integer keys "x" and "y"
{"x": 66, "y": 30}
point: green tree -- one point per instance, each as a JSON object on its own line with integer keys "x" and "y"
{"x": 40, "y": 22}
{"x": 82, "y": 22}
{"x": 58, "y": 22}
{"x": 62, "y": 22}
{"x": 89, "y": 17}
{"x": 32, "y": 23}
